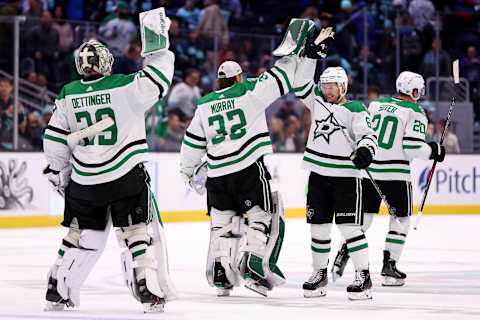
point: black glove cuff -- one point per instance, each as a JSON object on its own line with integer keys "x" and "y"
{"x": 48, "y": 170}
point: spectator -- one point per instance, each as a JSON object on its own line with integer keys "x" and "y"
{"x": 450, "y": 140}
{"x": 233, "y": 7}
{"x": 276, "y": 134}
{"x": 174, "y": 135}
{"x": 189, "y": 14}
{"x": 120, "y": 31}
{"x": 212, "y": 25}
{"x": 64, "y": 30}
{"x": 46, "y": 116}
{"x": 6, "y": 98}
{"x": 430, "y": 134}
{"x": 373, "y": 93}
{"x": 32, "y": 131}
{"x": 427, "y": 69}
{"x": 287, "y": 109}
{"x": 470, "y": 65}
{"x": 130, "y": 62}
{"x": 184, "y": 95}
{"x": 312, "y": 14}
{"x": 422, "y": 12}
{"x": 293, "y": 135}
{"x": 43, "y": 43}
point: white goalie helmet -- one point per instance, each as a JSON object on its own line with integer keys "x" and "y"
{"x": 93, "y": 56}
{"x": 335, "y": 75}
{"x": 408, "y": 81}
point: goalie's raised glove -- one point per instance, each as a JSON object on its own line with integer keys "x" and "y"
{"x": 438, "y": 151}
{"x": 362, "y": 158}
{"x": 197, "y": 179}
{"x": 58, "y": 179}
{"x": 317, "y": 43}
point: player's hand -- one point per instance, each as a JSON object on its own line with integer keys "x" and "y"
{"x": 438, "y": 151}
{"x": 362, "y": 158}
{"x": 58, "y": 179}
{"x": 317, "y": 43}
{"x": 196, "y": 180}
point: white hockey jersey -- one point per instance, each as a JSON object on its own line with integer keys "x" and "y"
{"x": 401, "y": 127}
{"x": 328, "y": 151}
{"x": 124, "y": 98}
{"x": 230, "y": 125}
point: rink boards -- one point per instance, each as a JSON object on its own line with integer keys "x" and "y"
{"x": 26, "y": 199}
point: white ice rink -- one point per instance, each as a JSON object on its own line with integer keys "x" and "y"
{"x": 442, "y": 261}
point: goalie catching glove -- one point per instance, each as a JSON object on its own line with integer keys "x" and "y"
{"x": 304, "y": 38}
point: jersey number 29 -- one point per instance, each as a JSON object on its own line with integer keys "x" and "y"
{"x": 104, "y": 139}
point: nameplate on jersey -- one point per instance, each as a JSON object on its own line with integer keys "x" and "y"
{"x": 91, "y": 101}
{"x": 223, "y": 106}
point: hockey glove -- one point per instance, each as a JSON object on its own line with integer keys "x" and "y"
{"x": 438, "y": 151}
{"x": 58, "y": 179}
{"x": 197, "y": 179}
{"x": 317, "y": 43}
{"x": 362, "y": 158}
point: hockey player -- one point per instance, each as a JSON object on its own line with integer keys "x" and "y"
{"x": 340, "y": 144}
{"x": 230, "y": 128}
{"x": 400, "y": 123}
{"x": 109, "y": 181}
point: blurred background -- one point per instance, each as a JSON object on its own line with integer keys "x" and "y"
{"x": 375, "y": 41}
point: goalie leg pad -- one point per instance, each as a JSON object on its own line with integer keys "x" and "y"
{"x": 225, "y": 233}
{"x": 78, "y": 254}
{"x": 258, "y": 256}
{"x": 146, "y": 258}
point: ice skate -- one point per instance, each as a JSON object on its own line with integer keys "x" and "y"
{"x": 256, "y": 284}
{"x": 392, "y": 276}
{"x": 340, "y": 262}
{"x": 150, "y": 302}
{"x": 55, "y": 302}
{"x": 224, "y": 287}
{"x": 316, "y": 285}
{"x": 361, "y": 287}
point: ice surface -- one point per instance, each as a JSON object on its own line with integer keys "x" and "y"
{"x": 442, "y": 261}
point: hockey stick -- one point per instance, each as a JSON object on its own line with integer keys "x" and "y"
{"x": 456, "y": 80}
{"x": 73, "y": 139}
{"x": 391, "y": 210}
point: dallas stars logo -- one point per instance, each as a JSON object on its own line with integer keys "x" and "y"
{"x": 325, "y": 128}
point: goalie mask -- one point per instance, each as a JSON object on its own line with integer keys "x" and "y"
{"x": 408, "y": 81}
{"x": 335, "y": 75}
{"x": 92, "y": 57}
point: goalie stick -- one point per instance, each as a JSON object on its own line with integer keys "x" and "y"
{"x": 74, "y": 138}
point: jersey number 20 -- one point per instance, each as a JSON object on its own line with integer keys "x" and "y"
{"x": 237, "y": 129}
{"x": 103, "y": 138}
{"x": 388, "y": 128}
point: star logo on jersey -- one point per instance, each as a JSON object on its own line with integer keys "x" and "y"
{"x": 90, "y": 88}
{"x": 325, "y": 128}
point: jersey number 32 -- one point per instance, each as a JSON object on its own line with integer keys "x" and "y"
{"x": 236, "y": 122}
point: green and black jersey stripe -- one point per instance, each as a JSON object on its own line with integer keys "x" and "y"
{"x": 114, "y": 163}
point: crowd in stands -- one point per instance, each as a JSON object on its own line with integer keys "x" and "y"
{"x": 204, "y": 33}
